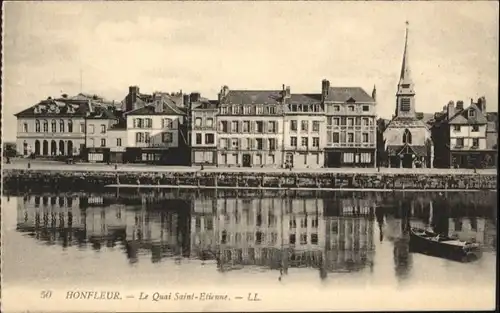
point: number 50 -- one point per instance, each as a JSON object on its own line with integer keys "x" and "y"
{"x": 46, "y": 294}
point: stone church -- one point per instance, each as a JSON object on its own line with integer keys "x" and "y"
{"x": 407, "y": 139}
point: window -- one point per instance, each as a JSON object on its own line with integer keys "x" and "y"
{"x": 292, "y": 223}
{"x": 303, "y": 239}
{"x": 223, "y": 143}
{"x": 167, "y": 137}
{"x": 53, "y": 126}
{"x": 103, "y": 142}
{"x": 315, "y": 126}
{"x": 210, "y": 122}
{"x": 37, "y": 126}
{"x": 118, "y": 142}
{"x": 139, "y": 137}
{"x": 293, "y": 125}
{"x": 246, "y": 126}
{"x": 365, "y": 121}
{"x": 336, "y": 108}
{"x": 456, "y": 128}
{"x": 314, "y": 239}
{"x": 475, "y": 142}
{"x": 351, "y": 108}
{"x": 234, "y": 126}
{"x": 304, "y": 125}
{"x": 197, "y": 122}
{"x": 315, "y": 141}
{"x": 223, "y": 126}
{"x": 103, "y": 129}
{"x": 460, "y": 142}
{"x": 272, "y": 127}
{"x": 405, "y": 104}
{"x": 336, "y": 138}
{"x": 198, "y": 139}
{"x": 61, "y": 126}
{"x": 365, "y": 157}
{"x": 350, "y": 121}
{"x": 348, "y": 157}
{"x": 407, "y": 137}
{"x": 70, "y": 126}
{"x": 293, "y": 141}
{"x": 209, "y": 139}
{"x": 350, "y": 137}
{"x": 235, "y": 145}
{"x": 147, "y": 137}
{"x": 45, "y": 126}
{"x": 91, "y": 129}
{"x": 259, "y": 144}
{"x": 148, "y": 122}
{"x": 168, "y": 123}
{"x": 365, "y": 137}
{"x": 475, "y": 128}
{"x": 82, "y": 127}
{"x": 366, "y": 108}
{"x": 25, "y": 127}
{"x": 336, "y": 121}
{"x": 260, "y": 127}
{"x": 272, "y": 144}
{"x": 472, "y": 113}
{"x": 304, "y": 141}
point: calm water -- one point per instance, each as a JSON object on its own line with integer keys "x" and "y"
{"x": 327, "y": 240}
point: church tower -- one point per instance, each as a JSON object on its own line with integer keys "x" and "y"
{"x": 405, "y": 96}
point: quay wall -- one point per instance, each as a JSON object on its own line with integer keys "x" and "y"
{"x": 80, "y": 180}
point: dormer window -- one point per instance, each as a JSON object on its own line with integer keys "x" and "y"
{"x": 472, "y": 113}
{"x": 351, "y": 108}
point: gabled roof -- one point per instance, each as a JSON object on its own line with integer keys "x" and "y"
{"x": 253, "y": 97}
{"x": 462, "y": 117}
{"x": 150, "y": 110}
{"x": 343, "y": 94}
{"x": 205, "y": 104}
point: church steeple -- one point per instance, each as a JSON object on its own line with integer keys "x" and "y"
{"x": 405, "y": 96}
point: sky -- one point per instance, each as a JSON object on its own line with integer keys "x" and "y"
{"x": 105, "y": 47}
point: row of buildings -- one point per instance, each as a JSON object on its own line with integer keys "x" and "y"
{"x": 336, "y": 127}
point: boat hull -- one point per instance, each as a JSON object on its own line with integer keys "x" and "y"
{"x": 428, "y": 246}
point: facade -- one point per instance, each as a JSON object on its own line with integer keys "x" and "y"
{"x": 97, "y": 125}
{"x": 52, "y": 127}
{"x": 156, "y": 133}
{"x": 203, "y": 130}
{"x": 351, "y": 128}
{"x": 460, "y": 135}
{"x": 117, "y": 141}
{"x": 304, "y": 131}
{"x": 407, "y": 139}
{"x": 250, "y": 127}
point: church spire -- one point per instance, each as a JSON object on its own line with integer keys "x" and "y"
{"x": 405, "y": 77}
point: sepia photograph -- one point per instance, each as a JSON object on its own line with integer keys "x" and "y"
{"x": 252, "y": 156}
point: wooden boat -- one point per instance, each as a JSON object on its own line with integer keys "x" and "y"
{"x": 431, "y": 243}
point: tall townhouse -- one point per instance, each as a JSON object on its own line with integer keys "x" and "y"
{"x": 54, "y": 127}
{"x": 304, "y": 131}
{"x": 117, "y": 141}
{"x": 98, "y": 122}
{"x": 460, "y": 136}
{"x": 203, "y": 130}
{"x": 250, "y": 127}
{"x": 350, "y": 126}
{"x": 156, "y": 134}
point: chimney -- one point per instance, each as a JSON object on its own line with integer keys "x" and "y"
{"x": 195, "y": 97}
{"x": 185, "y": 101}
{"x": 374, "y": 93}
{"x": 481, "y": 103}
{"x": 287, "y": 92}
{"x": 325, "y": 87}
{"x": 223, "y": 92}
{"x": 451, "y": 109}
{"x": 460, "y": 105}
{"x": 131, "y": 99}
{"x": 91, "y": 108}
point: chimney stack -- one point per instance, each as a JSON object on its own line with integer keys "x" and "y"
{"x": 460, "y": 105}
{"x": 131, "y": 99}
{"x": 325, "y": 87}
{"x": 481, "y": 103}
{"x": 195, "y": 97}
{"x": 451, "y": 109}
{"x": 287, "y": 92}
{"x": 374, "y": 93}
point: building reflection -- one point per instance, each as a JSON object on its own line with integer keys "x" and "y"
{"x": 236, "y": 232}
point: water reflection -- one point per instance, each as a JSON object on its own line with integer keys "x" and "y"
{"x": 331, "y": 234}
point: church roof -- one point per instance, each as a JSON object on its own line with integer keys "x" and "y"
{"x": 418, "y": 150}
{"x": 405, "y": 76}
{"x": 405, "y": 122}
